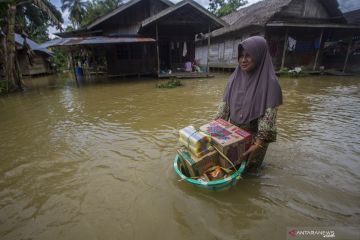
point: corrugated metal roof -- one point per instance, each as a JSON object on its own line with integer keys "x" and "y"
{"x": 33, "y": 45}
{"x": 94, "y": 40}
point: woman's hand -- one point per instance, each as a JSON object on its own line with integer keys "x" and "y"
{"x": 251, "y": 152}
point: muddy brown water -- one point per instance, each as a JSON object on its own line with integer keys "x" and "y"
{"x": 95, "y": 162}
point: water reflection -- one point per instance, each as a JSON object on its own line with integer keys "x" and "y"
{"x": 96, "y": 162}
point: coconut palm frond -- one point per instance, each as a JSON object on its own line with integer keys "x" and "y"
{"x": 43, "y": 6}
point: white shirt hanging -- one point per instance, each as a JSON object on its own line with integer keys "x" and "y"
{"x": 291, "y": 44}
{"x": 184, "y": 49}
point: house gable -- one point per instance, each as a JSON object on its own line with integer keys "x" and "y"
{"x": 186, "y": 15}
{"x": 313, "y": 10}
{"x": 305, "y": 9}
{"x": 266, "y": 12}
{"x": 128, "y": 17}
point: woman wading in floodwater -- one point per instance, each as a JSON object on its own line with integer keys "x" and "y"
{"x": 252, "y": 97}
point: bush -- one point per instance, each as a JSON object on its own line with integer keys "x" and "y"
{"x": 296, "y": 72}
{"x": 172, "y": 83}
{"x": 60, "y": 59}
{"x": 4, "y": 87}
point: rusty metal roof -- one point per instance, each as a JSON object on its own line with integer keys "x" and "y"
{"x": 94, "y": 40}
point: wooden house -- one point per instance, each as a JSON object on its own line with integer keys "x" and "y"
{"x": 353, "y": 17}
{"x": 39, "y": 62}
{"x": 298, "y": 34}
{"x": 143, "y": 36}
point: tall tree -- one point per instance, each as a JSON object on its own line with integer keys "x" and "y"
{"x": 8, "y": 10}
{"x": 77, "y": 10}
{"x": 35, "y": 22}
{"x": 224, "y": 7}
{"x": 98, "y": 8}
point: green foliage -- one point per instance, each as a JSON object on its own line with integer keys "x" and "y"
{"x": 84, "y": 12}
{"x": 31, "y": 18}
{"x": 296, "y": 72}
{"x": 4, "y": 87}
{"x": 34, "y": 22}
{"x": 172, "y": 83}
{"x": 98, "y": 8}
{"x": 69, "y": 28}
{"x": 60, "y": 58}
{"x": 224, "y": 7}
{"x": 283, "y": 71}
{"x": 77, "y": 10}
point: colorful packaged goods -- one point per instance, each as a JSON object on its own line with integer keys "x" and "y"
{"x": 194, "y": 166}
{"x": 229, "y": 139}
{"x": 196, "y": 142}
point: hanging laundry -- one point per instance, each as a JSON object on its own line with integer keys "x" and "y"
{"x": 184, "y": 49}
{"x": 291, "y": 44}
{"x": 177, "y": 44}
{"x": 171, "y": 45}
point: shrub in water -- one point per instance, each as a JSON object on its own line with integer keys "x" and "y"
{"x": 172, "y": 83}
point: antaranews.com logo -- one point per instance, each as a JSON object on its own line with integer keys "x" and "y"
{"x": 296, "y": 233}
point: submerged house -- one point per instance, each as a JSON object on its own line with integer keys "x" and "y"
{"x": 142, "y": 37}
{"x": 299, "y": 33}
{"x": 38, "y": 63}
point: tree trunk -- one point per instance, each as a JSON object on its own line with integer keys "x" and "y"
{"x": 12, "y": 73}
{"x": 2, "y": 54}
{"x": 4, "y": 85}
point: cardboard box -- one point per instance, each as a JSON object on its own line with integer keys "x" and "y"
{"x": 194, "y": 166}
{"x": 198, "y": 152}
{"x": 229, "y": 139}
{"x": 196, "y": 142}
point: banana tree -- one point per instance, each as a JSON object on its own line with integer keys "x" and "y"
{"x": 8, "y": 11}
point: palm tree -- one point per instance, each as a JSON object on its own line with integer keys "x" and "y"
{"x": 8, "y": 11}
{"x": 77, "y": 10}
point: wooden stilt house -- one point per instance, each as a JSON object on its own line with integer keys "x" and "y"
{"x": 143, "y": 37}
{"x": 298, "y": 32}
{"x": 38, "y": 63}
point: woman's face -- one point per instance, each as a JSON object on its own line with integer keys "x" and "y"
{"x": 246, "y": 63}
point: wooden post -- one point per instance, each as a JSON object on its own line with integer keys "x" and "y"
{"x": 285, "y": 47}
{"x": 157, "y": 50}
{"x": 347, "y": 54}
{"x": 318, "y": 51}
{"x": 170, "y": 56}
{"x": 208, "y": 53}
{"x": 73, "y": 66}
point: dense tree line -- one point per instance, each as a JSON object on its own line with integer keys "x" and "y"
{"x": 82, "y": 12}
{"x": 223, "y": 7}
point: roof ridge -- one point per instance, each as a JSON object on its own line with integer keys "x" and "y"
{"x": 119, "y": 9}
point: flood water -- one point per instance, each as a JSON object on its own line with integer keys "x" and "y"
{"x": 96, "y": 162}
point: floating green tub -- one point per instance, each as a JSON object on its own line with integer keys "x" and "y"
{"x": 212, "y": 185}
